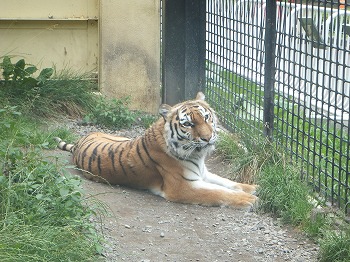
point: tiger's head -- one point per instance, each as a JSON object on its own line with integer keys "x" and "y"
{"x": 190, "y": 128}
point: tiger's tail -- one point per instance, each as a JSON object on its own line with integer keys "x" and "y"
{"x": 63, "y": 145}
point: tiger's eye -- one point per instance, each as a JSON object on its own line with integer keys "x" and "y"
{"x": 187, "y": 124}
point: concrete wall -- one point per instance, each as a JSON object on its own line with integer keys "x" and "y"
{"x": 63, "y": 33}
{"x": 130, "y": 51}
{"x": 118, "y": 38}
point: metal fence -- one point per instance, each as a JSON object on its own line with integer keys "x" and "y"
{"x": 283, "y": 69}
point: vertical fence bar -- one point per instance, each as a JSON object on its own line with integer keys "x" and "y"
{"x": 183, "y": 49}
{"x": 270, "y": 46}
{"x": 195, "y": 47}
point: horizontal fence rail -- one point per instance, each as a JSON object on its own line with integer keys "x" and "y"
{"x": 311, "y": 81}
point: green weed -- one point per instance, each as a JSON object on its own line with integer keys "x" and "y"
{"x": 111, "y": 113}
{"x": 49, "y": 93}
{"x": 319, "y": 147}
{"x": 43, "y": 213}
{"x": 26, "y": 131}
{"x": 284, "y": 194}
{"x": 20, "y": 242}
{"x": 336, "y": 246}
{"x": 146, "y": 120}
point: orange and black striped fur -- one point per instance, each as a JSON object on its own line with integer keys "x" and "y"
{"x": 168, "y": 159}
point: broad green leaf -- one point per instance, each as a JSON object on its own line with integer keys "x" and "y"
{"x": 30, "y": 82}
{"x": 45, "y": 74}
{"x": 19, "y": 69}
{"x": 64, "y": 192}
{"x": 31, "y": 70}
{"x": 21, "y": 64}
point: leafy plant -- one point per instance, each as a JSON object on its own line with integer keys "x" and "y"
{"x": 48, "y": 93}
{"x": 40, "y": 202}
{"x": 146, "y": 120}
{"x": 111, "y": 113}
{"x": 19, "y": 76}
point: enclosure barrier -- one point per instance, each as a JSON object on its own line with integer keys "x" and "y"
{"x": 311, "y": 81}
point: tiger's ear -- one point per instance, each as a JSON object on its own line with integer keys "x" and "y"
{"x": 200, "y": 96}
{"x": 164, "y": 110}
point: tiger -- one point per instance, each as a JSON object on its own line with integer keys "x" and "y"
{"x": 167, "y": 160}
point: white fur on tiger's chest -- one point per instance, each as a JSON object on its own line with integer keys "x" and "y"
{"x": 194, "y": 170}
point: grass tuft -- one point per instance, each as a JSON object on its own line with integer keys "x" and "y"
{"x": 284, "y": 194}
{"x": 336, "y": 246}
{"x": 44, "y": 243}
{"x": 43, "y": 213}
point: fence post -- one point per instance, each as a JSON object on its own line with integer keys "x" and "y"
{"x": 183, "y": 49}
{"x": 270, "y": 46}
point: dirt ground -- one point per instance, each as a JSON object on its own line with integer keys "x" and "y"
{"x": 145, "y": 227}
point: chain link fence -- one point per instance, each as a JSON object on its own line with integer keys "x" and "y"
{"x": 282, "y": 70}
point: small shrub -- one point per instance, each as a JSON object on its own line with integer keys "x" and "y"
{"x": 47, "y": 94}
{"x": 111, "y": 113}
{"x": 19, "y": 242}
{"x": 146, "y": 120}
{"x": 43, "y": 214}
{"x": 246, "y": 157}
{"x": 37, "y": 193}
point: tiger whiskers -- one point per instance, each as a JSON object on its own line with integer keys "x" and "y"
{"x": 190, "y": 147}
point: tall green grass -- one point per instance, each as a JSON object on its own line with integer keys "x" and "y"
{"x": 21, "y": 242}
{"x": 43, "y": 213}
{"x": 336, "y": 246}
{"x": 320, "y": 148}
{"x": 46, "y": 93}
{"x": 284, "y": 194}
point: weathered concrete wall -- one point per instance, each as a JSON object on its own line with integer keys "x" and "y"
{"x": 50, "y": 32}
{"x": 130, "y": 51}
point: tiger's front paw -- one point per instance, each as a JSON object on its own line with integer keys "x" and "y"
{"x": 251, "y": 189}
{"x": 248, "y": 201}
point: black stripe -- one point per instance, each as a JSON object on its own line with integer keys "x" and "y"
{"x": 188, "y": 160}
{"x": 171, "y": 128}
{"x": 84, "y": 154}
{"x": 180, "y": 137}
{"x": 139, "y": 153}
{"x": 77, "y": 159}
{"x": 131, "y": 145}
{"x": 99, "y": 164}
{"x": 93, "y": 156}
{"x": 84, "y": 140}
{"x": 120, "y": 161}
{"x": 110, "y": 146}
{"x": 154, "y": 134}
{"x": 145, "y": 148}
{"x": 106, "y": 144}
{"x": 111, "y": 156}
{"x": 128, "y": 157}
{"x": 64, "y": 147}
